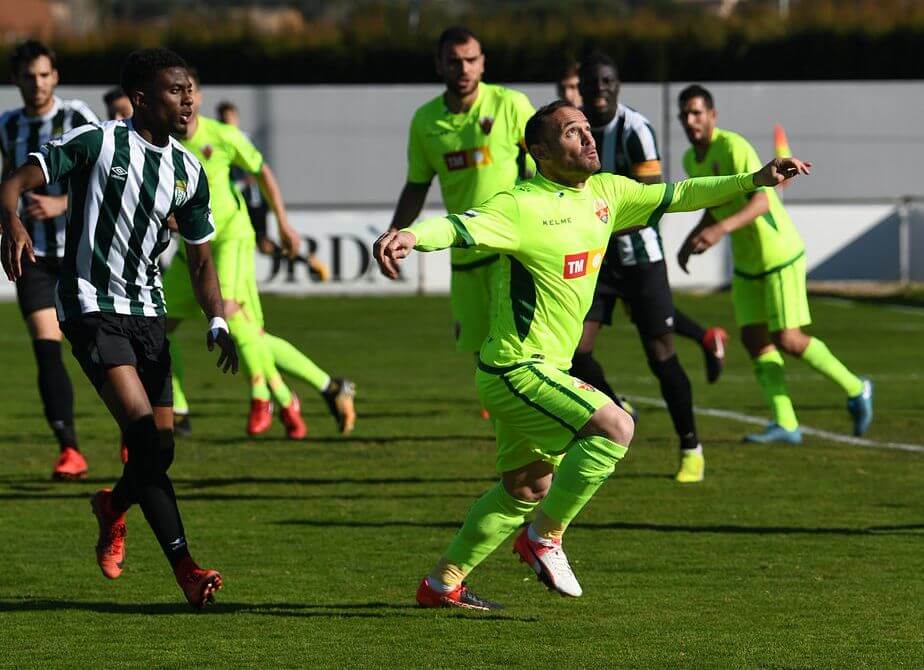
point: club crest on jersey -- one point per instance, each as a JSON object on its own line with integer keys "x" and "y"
{"x": 486, "y": 123}
{"x": 179, "y": 192}
{"x": 207, "y": 151}
{"x": 602, "y": 210}
{"x": 583, "y": 263}
{"x": 582, "y": 385}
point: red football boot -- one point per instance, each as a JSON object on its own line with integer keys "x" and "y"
{"x": 261, "y": 416}
{"x": 714, "y": 342}
{"x": 461, "y": 597}
{"x": 123, "y": 452}
{"x": 110, "y": 547}
{"x": 292, "y": 419}
{"x": 70, "y": 465}
{"x": 199, "y": 586}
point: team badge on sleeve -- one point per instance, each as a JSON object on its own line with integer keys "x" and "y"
{"x": 602, "y": 210}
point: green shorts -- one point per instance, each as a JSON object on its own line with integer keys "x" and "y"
{"x": 234, "y": 263}
{"x": 778, "y": 298}
{"x": 537, "y": 410}
{"x": 470, "y": 296}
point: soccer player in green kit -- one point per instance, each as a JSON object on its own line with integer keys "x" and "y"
{"x": 471, "y": 137}
{"x": 551, "y": 232}
{"x": 768, "y": 287}
{"x": 218, "y": 146}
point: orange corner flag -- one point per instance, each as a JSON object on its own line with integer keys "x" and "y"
{"x": 780, "y": 143}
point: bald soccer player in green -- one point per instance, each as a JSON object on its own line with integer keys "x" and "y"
{"x": 551, "y": 232}
{"x": 768, "y": 287}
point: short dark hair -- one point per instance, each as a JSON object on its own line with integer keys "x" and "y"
{"x": 224, "y": 107}
{"x": 26, "y": 52}
{"x": 535, "y": 127}
{"x": 453, "y": 36}
{"x": 569, "y": 69}
{"x": 594, "y": 60}
{"x": 143, "y": 65}
{"x": 695, "y": 91}
{"x": 113, "y": 94}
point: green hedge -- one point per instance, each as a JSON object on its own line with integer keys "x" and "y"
{"x": 805, "y": 54}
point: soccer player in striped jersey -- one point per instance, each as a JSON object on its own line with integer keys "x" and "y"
{"x": 22, "y": 131}
{"x": 471, "y": 138}
{"x": 218, "y": 146}
{"x": 768, "y": 286}
{"x": 634, "y": 269}
{"x": 558, "y": 438}
{"x": 125, "y": 178}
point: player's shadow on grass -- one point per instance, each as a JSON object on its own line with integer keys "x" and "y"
{"x": 349, "y": 439}
{"x": 872, "y": 531}
{"x": 369, "y": 610}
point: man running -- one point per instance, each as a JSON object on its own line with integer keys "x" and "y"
{"x": 471, "y": 137}
{"x": 22, "y": 131}
{"x": 551, "y": 232}
{"x": 634, "y": 270}
{"x": 124, "y": 179}
{"x": 768, "y": 286}
{"x": 218, "y": 146}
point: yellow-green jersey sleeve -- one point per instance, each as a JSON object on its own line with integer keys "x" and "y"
{"x": 490, "y": 227}
{"x": 637, "y": 204}
{"x": 523, "y": 111}
{"x": 419, "y": 170}
{"x": 242, "y": 151}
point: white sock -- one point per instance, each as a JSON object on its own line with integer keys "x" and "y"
{"x": 438, "y": 586}
{"x": 535, "y": 537}
{"x": 697, "y": 450}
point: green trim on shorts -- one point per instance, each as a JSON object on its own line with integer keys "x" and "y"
{"x": 465, "y": 267}
{"x": 537, "y": 407}
{"x": 568, "y": 392}
{"x": 781, "y": 266}
{"x": 493, "y": 370}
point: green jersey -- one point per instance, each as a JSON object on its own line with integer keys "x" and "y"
{"x": 218, "y": 146}
{"x": 771, "y": 240}
{"x": 475, "y": 153}
{"x": 552, "y": 239}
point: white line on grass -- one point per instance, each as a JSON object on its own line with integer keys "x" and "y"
{"x": 757, "y": 421}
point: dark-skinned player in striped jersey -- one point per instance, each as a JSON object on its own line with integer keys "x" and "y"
{"x": 124, "y": 179}
{"x": 634, "y": 270}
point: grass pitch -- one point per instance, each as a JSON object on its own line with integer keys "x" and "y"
{"x": 785, "y": 557}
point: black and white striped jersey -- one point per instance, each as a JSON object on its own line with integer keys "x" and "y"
{"x": 122, "y": 189}
{"x": 20, "y": 135}
{"x": 627, "y": 146}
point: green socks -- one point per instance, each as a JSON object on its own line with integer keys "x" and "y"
{"x": 492, "y": 518}
{"x": 291, "y": 360}
{"x": 587, "y": 464}
{"x": 180, "y": 405}
{"x": 252, "y": 352}
{"x": 768, "y": 368}
{"x": 820, "y": 357}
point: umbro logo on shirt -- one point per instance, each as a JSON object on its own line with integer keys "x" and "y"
{"x": 118, "y": 172}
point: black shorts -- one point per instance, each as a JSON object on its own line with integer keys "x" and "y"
{"x": 644, "y": 290}
{"x": 35, "y": 290}
{"x": 102, "y": 341}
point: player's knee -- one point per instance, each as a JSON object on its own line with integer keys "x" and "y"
{"x": 660, "y": 348}
{"x": 530, "y": 483}
{"x": 614, "y": 423}
{"x": 793, "y": 342}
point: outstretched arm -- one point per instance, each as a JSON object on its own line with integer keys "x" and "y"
{"x": 709, "y": 231}
{"x": 208, "y": 294}
{"x": 16, "y": 240}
